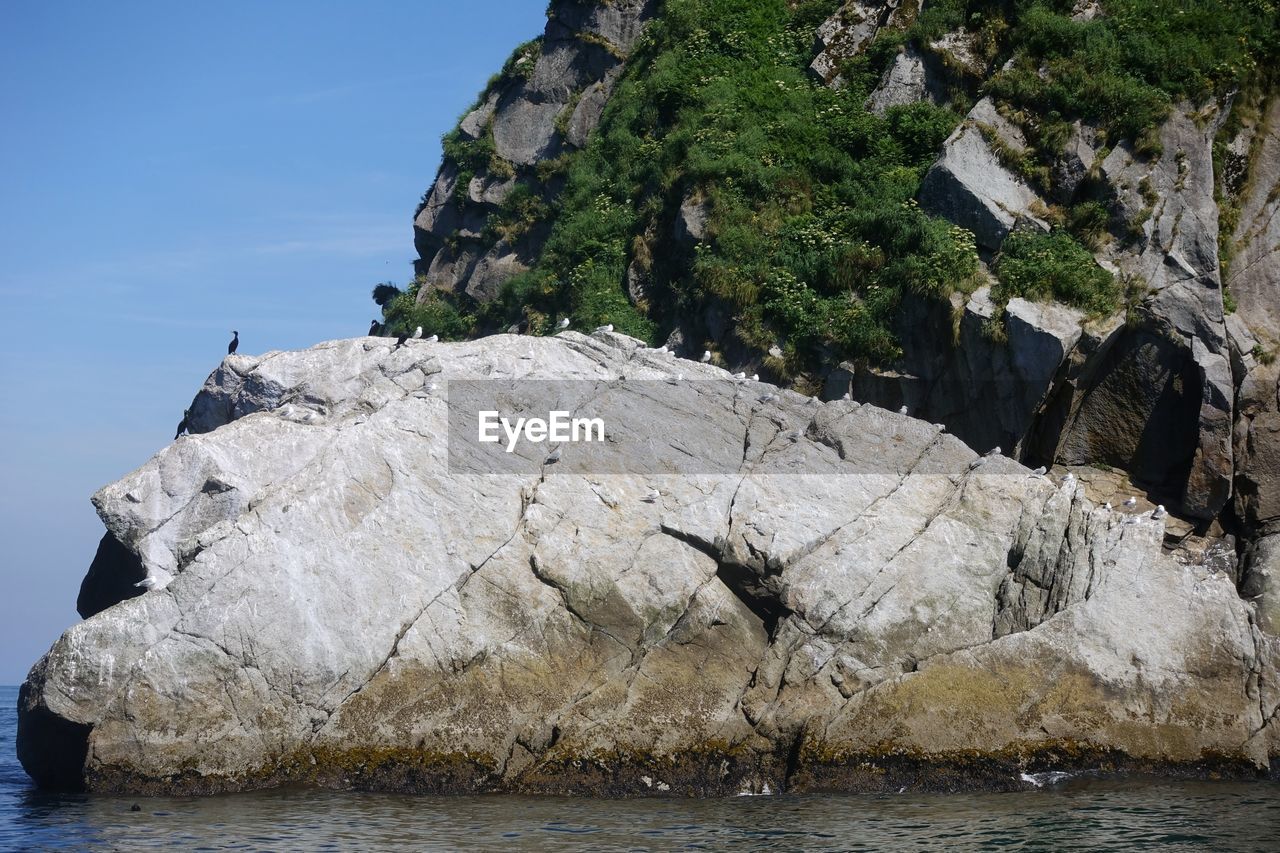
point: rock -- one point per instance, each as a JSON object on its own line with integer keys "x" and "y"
{"x": 691, "y": 223}
{"x": 1254, "y": 277}
{"x": 358, "y": 600}
{"x": 847, "y": 33}
{"x": 1075, "y": 162}
{"x": 1257, "y": 449}
{"x": 564, "y": 82}
{"x": 475, "y": 124}
{"x": 969, "y": 185}
{"x": 1262, "y": 582}
{"x": 907, "y": 81}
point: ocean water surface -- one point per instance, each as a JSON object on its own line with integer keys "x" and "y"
{"x": 1069, "y": 814}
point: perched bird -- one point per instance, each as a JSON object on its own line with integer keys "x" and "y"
{"x": 400, "y": 339}
{"x": 902, "y": 411}
{"x": 182, "y": 424}
{"x": 794, "y": 435}
{"x": 607, "y": 327}
{"x": 235, "y": 342}
{"x": 564, "y": 322}
{"x": 940, "y": 427}
{"x": 755, "y": 377}
{"x": 1159, "y": 512}
{"x": 1041, "y": 471}
{"x": 848, "y": 395}
{"x": 417, "y": 333}
{"x": 553, "y": 457}
{"x": 672, "y": 380}
{"x": 513, "y": 329}
{"x": 1107, "y": 505}
{"x": 433, "y": 339}
{"x": 374, "y": 327}
{"x": 995, "y": 451}
{"x": 154, "y": 581}
{"x": 651, "y": 496}
{"x": 767, "y": 398}
{"x": 977, "y": 462}
{"x": 706, "y": 356}
{"x": 1131, "y": 501}
{"x": 739, "y": 376}
{"x": 659, "y": 350}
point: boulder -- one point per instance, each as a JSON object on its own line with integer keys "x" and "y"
{"x": 970, "y": 186}
{"x": 907, "y": 81}
{"x": 847, "y": 33}
{"x": 741, "y": 589}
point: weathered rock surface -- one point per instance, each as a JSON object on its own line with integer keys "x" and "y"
{"x": 848, "y": 32}
{"x": 907, "y": 81}
{"x": 819, "y": 596}
{"x": 971, "y": 187}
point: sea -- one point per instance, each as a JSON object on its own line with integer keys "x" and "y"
{"x": 1079, "y": 812}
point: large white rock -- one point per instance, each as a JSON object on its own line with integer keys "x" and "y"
{"x": 818, "y": 596}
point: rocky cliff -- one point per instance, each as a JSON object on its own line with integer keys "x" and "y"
{"x": 1046, "y": 225}
{"x": 765, "y": 593}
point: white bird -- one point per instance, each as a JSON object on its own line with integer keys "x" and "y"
{"x": 652, "y": 496}
{"x": 767, "y": 398}
{"x": 1159, "y": 512}
{"x": 1067, "y": 477}
{"x": 794, "y": 435}
{"x": 706, "y": 356}
{"x": 433, "y": 339}
{"x": 995, "y": 451}
{"x": 1041, "y": 471}
{"x": 902, "y": 411}
{"x": 975, "y": 463}
{"x": 848, "y": 395}
{"x": 659, "y": 350}
{"x": 1107, "y": 505}
{"x": 564, "y": 322}
{"x": 1131, "y": 501}
{"x": 607, "y": 327}
{"x": 417, "y": 333}
{"x": 159, "y": 580}
{"x": 940, "y": 427}
{"x": 755, "y": 377}
{"x": 553, "y": 457}
{"x": 739, "y": 376}
{"x": 672, "y": 380}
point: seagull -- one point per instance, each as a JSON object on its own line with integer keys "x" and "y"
{"x": 755, "y": 377}
{"x": 995, "y": 451}
{"x": 662, "y": 350}
{"x": 652, "y": 496}
{"x": 156, "y": 581}
{"x": 1131, "y": 501}
{"x": 1159, "y": 512}
{"x": 975, "y": 463}
{"x": 739, "y": 376}
{"x": 1041, "y": 471}
{"x": 607, "y": 327}
{"x": 433, "y": 339}
{"x": 940, "y": 427}
{"x": 235, "y": 342}
{"x": 902, "y": 411}
{"x": 767, "y": 398}
{"x": 848, "y": 395}
{"x": 1068, "y": 477}
{"x": 182, "y": 424}
{"x": 513, "y": 329}
{"x": 672, "y": 380}
{"x": 1107, "y": 505}
{"x": 417, "y": 333}
{"x": 794, "y": 435}
{"x": 564, "y": 322}
{"x": 706, "y": 356}
{"x": 553, "y": 457}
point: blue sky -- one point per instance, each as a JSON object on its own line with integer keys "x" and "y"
{"x": 172, "y": 171}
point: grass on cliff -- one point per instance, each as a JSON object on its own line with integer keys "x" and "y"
{"x": 813, "y": 234}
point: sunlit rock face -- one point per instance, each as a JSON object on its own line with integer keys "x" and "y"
{"x": 743, "y": 588}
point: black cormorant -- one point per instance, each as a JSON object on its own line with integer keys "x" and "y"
{"x": 182, "y": 424}
{"x": 235, "y": 342}
{"x": 374, "y": 327}
{"x": 401, "y": 338}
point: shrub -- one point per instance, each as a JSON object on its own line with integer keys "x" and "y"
{"x": 1040, "y": 267}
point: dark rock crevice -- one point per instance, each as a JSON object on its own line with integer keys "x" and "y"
{"x": 111, "y": 577}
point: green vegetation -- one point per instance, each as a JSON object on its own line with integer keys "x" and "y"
{"x": 813, "y": 236}
{"x": 435, "y": 314}
{"x": 1041, "y": 267}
